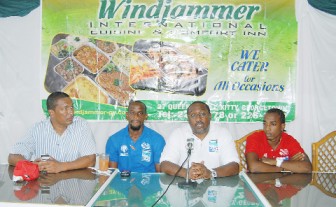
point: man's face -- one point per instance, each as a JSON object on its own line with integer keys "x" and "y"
{"x": 63, "y": 113}
{"x": 199, "y": 119}
{"x": 272, "y": 126}
{"x": 136, "y": 116}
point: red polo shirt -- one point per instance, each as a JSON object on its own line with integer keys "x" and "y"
{"x": 257, "y": 142}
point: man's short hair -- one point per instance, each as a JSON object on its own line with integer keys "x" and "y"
{"x": 140, "y": 102}
{"x": 53, "y": 98}
{"x": 279, "y": 112}
{"x": 199, "y": 102}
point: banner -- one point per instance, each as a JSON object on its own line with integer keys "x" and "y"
{"x": 239, "y": 56}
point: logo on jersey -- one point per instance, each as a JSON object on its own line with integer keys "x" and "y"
{"x": 146, "y": 152}
{"x": 213, "y": 145}
{"x": 284, "y": 152}
{"x": 123, "y": 150}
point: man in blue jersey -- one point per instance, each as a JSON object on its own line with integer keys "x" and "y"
{"x": 135, "y": 148}
{"x": 67, "y": 140}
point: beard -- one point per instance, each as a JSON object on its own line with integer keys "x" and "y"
{"x": 135, "y": 128}
{"x": 200, "y": 128}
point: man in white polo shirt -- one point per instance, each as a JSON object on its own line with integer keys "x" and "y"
{"x": 67, "y": 140}
{"x": 213, "y": 151}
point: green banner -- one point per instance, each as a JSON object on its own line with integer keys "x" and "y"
{"x": 238, "y": 56}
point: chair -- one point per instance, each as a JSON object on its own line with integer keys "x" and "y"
{"x": 326, "y": 182}
{"x": 324, "y": 152}
{"x": 240, "y": 147}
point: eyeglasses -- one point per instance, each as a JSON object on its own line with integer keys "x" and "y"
{"x": 201, "y": 115}
{"x": 133, "y": 113}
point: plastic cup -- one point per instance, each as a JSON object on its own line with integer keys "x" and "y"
{"x": 104, "y": 162}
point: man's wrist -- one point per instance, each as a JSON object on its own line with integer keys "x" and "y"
{"x": 63, "y": 166}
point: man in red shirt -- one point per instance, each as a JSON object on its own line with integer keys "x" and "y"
{"x": 273, "y": 150}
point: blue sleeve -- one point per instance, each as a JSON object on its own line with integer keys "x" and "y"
{"x": 111, "y": 149}
{"x": 158, "y": 148}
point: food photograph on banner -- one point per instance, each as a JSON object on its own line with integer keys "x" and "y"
{"x": 238, "y": 56}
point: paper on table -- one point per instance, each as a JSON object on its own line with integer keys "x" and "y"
{"x": 99, "y": 172}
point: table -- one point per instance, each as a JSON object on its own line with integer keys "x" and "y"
{"x": 144, "y": 189}
{"x": 84, "y": 188}
{"x": 72, "y": 188}
{"x": 246, "y": 189}
{"x": 299, "y": 190}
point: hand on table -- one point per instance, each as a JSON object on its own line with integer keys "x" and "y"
{"x": 199, "y": 171}
{"x": 50, "y": 166}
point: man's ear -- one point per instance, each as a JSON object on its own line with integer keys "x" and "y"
{"x": 283, "y": 126}
{"x": 127, "y": 116}
{"x": 51, "y": 112}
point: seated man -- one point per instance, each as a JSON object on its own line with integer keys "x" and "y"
{"x": 213, "y": 151}
{"x": 67, "y": 140}
{"x": 135, "y": 148}
{"x": 273, "y": 150}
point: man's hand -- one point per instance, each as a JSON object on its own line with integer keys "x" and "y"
{"x": 50, "y": 166}
{"x": 199, "y": 171}
{"x": 298, "y": 157}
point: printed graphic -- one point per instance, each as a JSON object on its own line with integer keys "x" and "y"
{"x": 87, "y": 69}
{"x": 238, "y": 56}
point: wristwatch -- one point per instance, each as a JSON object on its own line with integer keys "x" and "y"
{"x": 213, "y": 174}
{"x": 279, "y": 161}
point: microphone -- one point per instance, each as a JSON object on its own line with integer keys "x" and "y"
{"x": 187, "y": 183}
{"x": 190, "y": 145}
